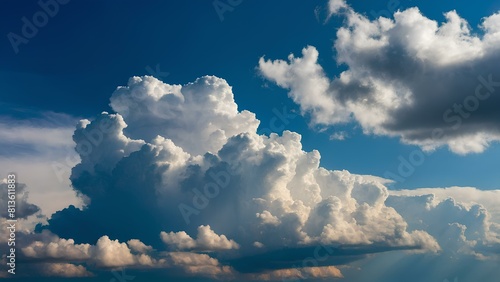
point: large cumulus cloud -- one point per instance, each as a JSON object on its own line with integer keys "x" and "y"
{"x": 241, "y": 196}
{"x": 238, "y": 206}
{"x": 430, "y": 84}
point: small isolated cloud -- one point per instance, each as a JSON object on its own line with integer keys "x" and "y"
{"x": 340, "y": 136}
{"x": 427, "y": 83}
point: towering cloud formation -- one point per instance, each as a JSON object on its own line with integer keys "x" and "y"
{"x": 209, "y": 196}
{"x": 429, "y": 84}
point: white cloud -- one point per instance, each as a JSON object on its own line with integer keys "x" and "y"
{"x": 429, "y": 84}
{"x": 64, "y": 270}
{"x": 180, "y": 113}
{"x": 460, "y": 220}
{"x": 138, "y": 246}
{"x": 334, "y": 6}
{"x": 105, "y": 253}
{"x": 58, "y": 249}
{"x": 301, "y": 76}
{"x": 299, "y": 274}
{"x": 340, "y": 135}
{"x": 180, "y": 240}
{"x": 200, "y": 264}
{"x": 459, "y": 227}
{"x": 207, "y": 240}
{"x": 467, "y": 196}
{"x": 112, "y": 253}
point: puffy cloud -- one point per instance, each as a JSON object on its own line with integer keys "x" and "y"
{"x": 178, "y": 240}
{"x": 207, "y": 240}
{"x": 106, "y": 253}
{"x": 138, "y": 246}
{"x": 58, "y": 248}
{"x": 112, "y": 253}
{"x": 101, "y": 144}
{"x": 180, "y": 113}
{"x": 200, "y": 264}
{"x": 308, "y": 85}
{"x": 64, "y": 270}
{"x": 466, "y": 196}
{"x": 463, "y": 220}
{"x": 429, "y": 84}
{"x": 299, "y": 273}
{"x": 459, "y": 228}
{"x": 334, "y": 6}
{"x": 341, "y": 135}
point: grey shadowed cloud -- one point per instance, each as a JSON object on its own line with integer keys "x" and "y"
{"x": 410, "y": 77}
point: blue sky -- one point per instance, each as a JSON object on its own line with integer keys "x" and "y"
{"x": 73, "y": 64}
